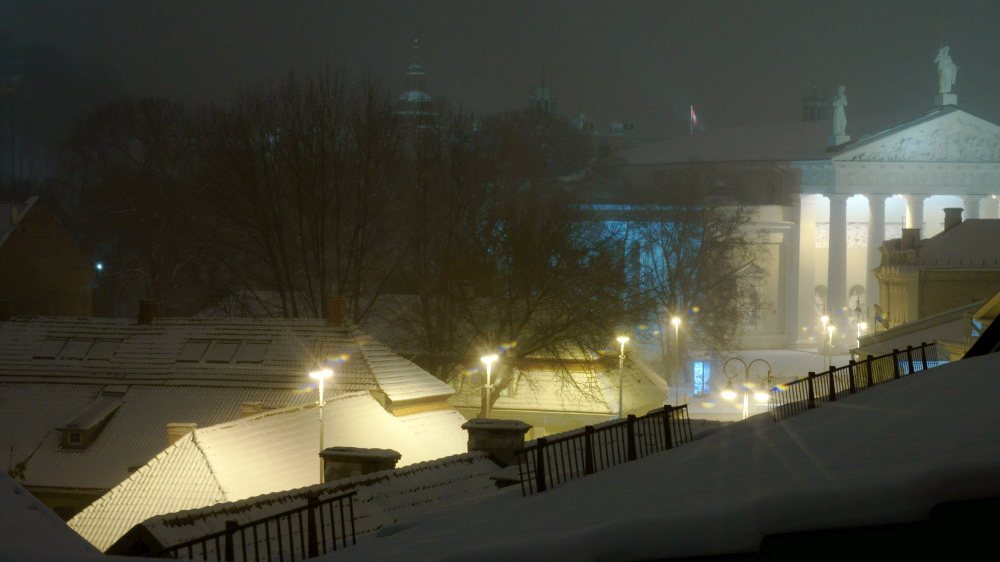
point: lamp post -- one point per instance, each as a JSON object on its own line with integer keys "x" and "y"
{"x": 677, "y": 357}
{"x": 862, "y": 326}
{"x": 829, "y": 345}
{"x": 488, "y": 360}
{"x": 729, "y": 392}
{"x": 622, "y": 340}
{"x": 321, "y": 376}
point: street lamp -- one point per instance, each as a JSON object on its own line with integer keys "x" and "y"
{"x": 621, "y": 374}
{"x": 729, "y": 393}
{"x": 862, "y": 326}
{"x": 488, "y": 359}
{"x": 829, "y": 345}
{"x": 321, "y": 376}
{"x": 677, "y": 357}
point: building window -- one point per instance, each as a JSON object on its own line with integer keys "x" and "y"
{"x": 702, "y": 371}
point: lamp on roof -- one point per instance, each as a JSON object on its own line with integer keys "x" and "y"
{"x": 321, "y": 375}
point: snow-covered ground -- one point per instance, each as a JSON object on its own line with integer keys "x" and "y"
{"x": 887, "y": 455}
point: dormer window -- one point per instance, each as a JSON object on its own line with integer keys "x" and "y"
{"x": 83, "y": 428}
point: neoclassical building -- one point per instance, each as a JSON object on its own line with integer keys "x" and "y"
{"x": 827, "y": 203}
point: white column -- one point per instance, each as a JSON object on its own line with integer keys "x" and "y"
{"x": 971, "y": 206}
{"x": 876, "y": 236}
{"x": 805, "y": 299}
{"x": 836, "y": 287}
{"x": 915, "y": 212}
{"x": 988, "y": 208}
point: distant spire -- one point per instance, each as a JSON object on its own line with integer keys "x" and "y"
{"x": 542, "y": 100}
{"x": 415, "y": 100}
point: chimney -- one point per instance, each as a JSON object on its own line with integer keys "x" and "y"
{"x": 7, "y": 309}
{"x": 911, "y": 238}
{"x": 344, "y": 462}
{"x": 176, "y": 430}
{"x": 499, "y": 438}
{"x": 336, "y": 312}
{"x": 250, "y": 408}
{"x": 147, "y": 311}
{"x": 952, "y": 217}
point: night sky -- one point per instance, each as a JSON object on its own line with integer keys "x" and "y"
{"x": 737, "y": 62}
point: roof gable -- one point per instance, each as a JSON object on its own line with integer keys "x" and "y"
{"x": 942, "y": 135}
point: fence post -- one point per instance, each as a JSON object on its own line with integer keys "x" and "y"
{"x": 833, "y": 383}
{"x": 588, "y": 449}
{"x": 869, "y": 369}
{"x": 923, "y": 353}
{"x": 540, "y": 464}
{"x": 668, "y": 437}
{"x": 811, "y": 402}
{"x": 909, "y": 357}
{"x": 230, "y": 553}
{"x": 895, "y": 363}
{"x": 311, "y": 504}
{"x": 853, "y": 388}
{"x": 630, "y": 433}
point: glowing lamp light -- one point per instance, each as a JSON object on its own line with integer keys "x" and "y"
{"x": 675, "y": 321}
{"x": 729, "y": 393}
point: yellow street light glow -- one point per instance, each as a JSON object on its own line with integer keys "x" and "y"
{"x": 623, "y": 339}
{"x": 729, "y": 393}
{"x": 675, "y": 321}
{"x": 489, "y": 359}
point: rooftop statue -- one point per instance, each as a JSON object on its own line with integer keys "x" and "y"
{"x": 840, "y": 112}
{"x": 947, "y": 71}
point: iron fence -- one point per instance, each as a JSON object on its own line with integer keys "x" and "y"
{"x": 816, "y": 389}
{"x": 555, "y": 460}
{"x": 303, "y": 532}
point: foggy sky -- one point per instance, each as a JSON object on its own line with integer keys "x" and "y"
{"x": 737, "y": 62}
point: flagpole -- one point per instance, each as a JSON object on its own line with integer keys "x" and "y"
{"x": 691, "y": 121}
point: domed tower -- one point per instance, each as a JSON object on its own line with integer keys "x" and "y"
{"x": 415, "y": 101}
{"x": 542, "y": 100}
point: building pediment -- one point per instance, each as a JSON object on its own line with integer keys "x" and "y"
{"x": 945, "y": 135}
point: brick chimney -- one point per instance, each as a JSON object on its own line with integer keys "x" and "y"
{"x": 344, "y": 462}
{"x": 499, "y": 438}
{"x": 336, "y": 313}
{"x": 176, "y": 430}
{"x": 148, "y": 309}
{"x": 911, "y": 239}
{"x": 952, "y": 217}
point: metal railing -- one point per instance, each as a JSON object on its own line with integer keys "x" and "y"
{"x": 303, "y": 532}
{"x": 555, "y": 460}
{"x": 809, "y": 393}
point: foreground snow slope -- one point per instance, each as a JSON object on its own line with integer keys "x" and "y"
{"x": 887, "y": 455}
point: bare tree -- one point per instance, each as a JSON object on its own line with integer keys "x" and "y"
{"x": 699, "y": 256}
{"x": 128, "y": 170}
{"x": 300, "y": 178}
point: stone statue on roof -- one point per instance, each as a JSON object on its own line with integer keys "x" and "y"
{"x": 947, "y": 71}
{"x": 840, "y": 112}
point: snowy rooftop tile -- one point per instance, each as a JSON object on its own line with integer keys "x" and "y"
{"x": 268, "y": 452}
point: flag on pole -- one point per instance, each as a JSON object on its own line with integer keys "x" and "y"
{"x": 694, "y": 121}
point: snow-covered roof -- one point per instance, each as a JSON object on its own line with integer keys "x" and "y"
{"x": 383, "y": 498}
{"x": 264, "y": 453}
{"x": 589, "y": 387}
{"x": 962, "y": 246}
{"x": 31, "y": 531}
{"x": 123, "y": 382}
{"x": 264, "y": 353}
{"x": 887, "y": 455}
